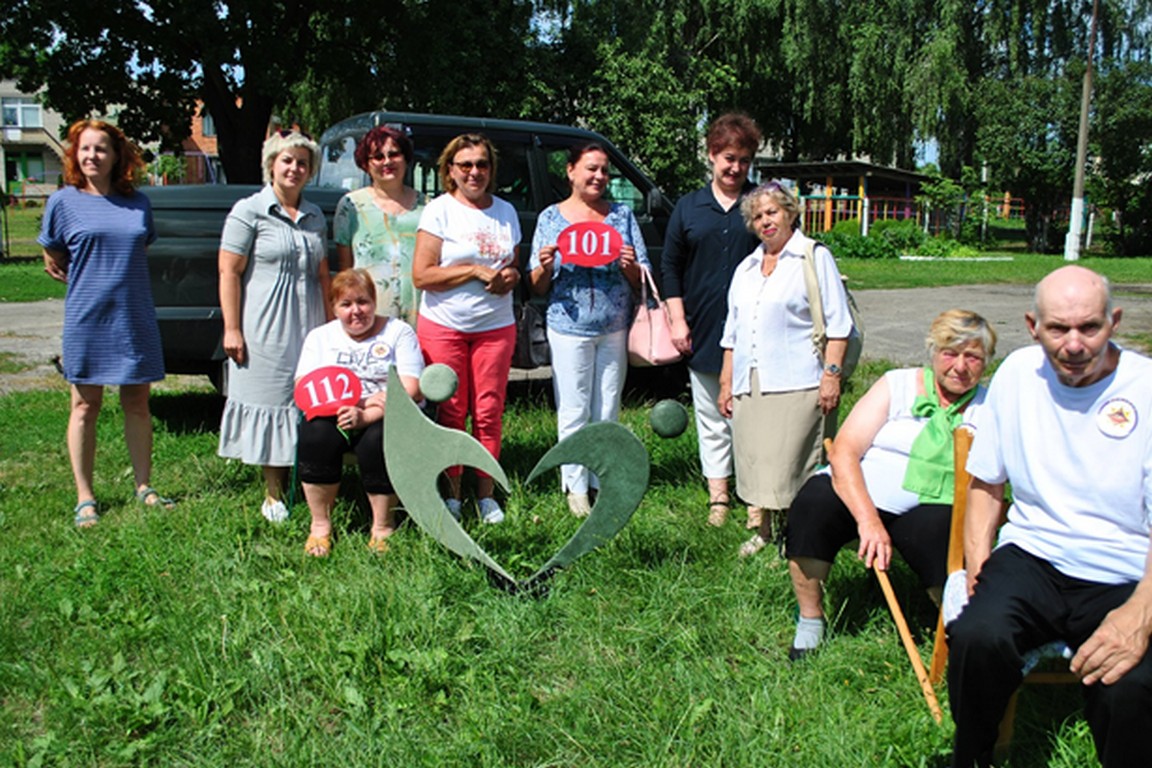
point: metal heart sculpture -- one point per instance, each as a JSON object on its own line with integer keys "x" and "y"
{"x": 417, "y": 450}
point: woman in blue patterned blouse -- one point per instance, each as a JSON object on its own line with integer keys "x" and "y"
{"x": 589, "y": 308}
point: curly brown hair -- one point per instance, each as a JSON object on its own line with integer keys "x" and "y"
{"x": 126, "y": 171}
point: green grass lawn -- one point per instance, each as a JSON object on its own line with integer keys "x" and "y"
{"x": 204, "y": 637}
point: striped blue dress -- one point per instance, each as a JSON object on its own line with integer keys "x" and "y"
{"x": 110, "y": 332}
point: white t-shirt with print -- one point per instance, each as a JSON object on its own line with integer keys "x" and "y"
{"x": 1079, "y": 460}
{"x": 370, "y": 359}
{"x": 471, "y": 236}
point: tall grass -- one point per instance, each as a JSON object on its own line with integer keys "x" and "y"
{"x": 203, "y": 636}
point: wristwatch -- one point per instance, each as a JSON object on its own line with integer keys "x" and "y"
{"x": 832, "y": 369}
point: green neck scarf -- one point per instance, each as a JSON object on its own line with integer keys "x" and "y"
{"x": 931, "y": 469}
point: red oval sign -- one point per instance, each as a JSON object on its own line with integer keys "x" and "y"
{"x": 589, "y": 244}
{"x": 326, "y": 390}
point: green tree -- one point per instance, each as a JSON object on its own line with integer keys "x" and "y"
{"x": 1122, "y": 140}
{"x": 147, "y": 62}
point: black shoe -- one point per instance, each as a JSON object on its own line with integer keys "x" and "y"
{"x": 795, "y": 654}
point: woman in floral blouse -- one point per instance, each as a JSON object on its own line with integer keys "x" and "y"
{"x": 589, "y": 308}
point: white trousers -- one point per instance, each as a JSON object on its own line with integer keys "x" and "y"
{"x": 588, "y": 380}
{"x": 713, "y": 431}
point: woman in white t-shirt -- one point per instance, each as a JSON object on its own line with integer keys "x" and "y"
{"x": 892, "y": 474}
{"x": 466, "y": 264}
{"x": 367, "y": 344}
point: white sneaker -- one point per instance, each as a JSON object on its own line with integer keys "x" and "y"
{"x": 453, "y": 508}
{"x": 274, "y": 510}
{"x": 490, "y": 511}
{"x": 579, "y": 504}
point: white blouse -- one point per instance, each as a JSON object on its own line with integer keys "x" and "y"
{"x": 769, "y": 323}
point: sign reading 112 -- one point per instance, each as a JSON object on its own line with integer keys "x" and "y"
{"x": 324, "y": 391}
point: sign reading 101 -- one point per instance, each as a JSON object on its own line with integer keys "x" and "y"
{"x": 589, "y": 244}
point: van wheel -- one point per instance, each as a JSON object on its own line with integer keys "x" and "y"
{"x": 219, "y": 377}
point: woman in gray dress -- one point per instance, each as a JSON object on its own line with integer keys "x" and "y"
{"x": 273, "y": 280}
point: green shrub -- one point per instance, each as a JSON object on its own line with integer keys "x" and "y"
{"x": 856, "y": 247}
{"x": 906, "y": 234}
{"x": 946, "y": 248}
{"x": 847, "y": 227}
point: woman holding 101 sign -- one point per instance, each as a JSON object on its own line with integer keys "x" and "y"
{"x": 589, "y": 307}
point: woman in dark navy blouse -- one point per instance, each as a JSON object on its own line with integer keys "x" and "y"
{"x": 706, "y": 239}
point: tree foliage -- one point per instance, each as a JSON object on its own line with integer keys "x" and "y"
{"x": 992, "y": 84}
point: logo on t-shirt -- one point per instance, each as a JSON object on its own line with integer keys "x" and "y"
{"x": 381, "y": 350}
{"x": 1116, "y": 418}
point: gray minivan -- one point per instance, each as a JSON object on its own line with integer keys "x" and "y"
{"x": 530, "y": 175}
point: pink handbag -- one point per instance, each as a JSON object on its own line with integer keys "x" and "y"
{"x": 650, "y": 340}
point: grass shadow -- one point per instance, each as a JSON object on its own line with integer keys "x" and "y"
{"x": 185, "y": 413}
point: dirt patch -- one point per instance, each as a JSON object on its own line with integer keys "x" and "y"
{"x": 895, "y": 322}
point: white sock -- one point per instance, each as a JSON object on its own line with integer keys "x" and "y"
{"x": 809, "y": 633}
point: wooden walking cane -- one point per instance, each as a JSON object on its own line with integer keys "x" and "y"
{"x": 905, "y": 633}
{"x": 909, "y": 645}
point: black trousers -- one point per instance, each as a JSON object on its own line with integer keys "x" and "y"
{"x": 1021, "y": 602}
{"x": 320, "y": 449}
{"x": 819, "y": 525}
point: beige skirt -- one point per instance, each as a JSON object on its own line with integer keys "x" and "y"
{"x": 777, "y": 442}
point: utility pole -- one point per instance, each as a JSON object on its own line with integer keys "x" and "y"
{"x": 1076, "y": 215}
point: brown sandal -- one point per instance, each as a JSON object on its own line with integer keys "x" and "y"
{"x": 718, "y": 511}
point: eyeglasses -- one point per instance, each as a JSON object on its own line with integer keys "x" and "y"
{"x": 285, "y": 133}
{"x": 386, "y": 155}
{"x": 468, "y": 165}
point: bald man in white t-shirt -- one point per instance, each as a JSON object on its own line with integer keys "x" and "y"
{"x": 1069, "y": 424}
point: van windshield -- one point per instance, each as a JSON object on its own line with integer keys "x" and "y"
{"x": 338, "y": 164}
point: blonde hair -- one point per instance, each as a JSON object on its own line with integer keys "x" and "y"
{"x": 282, "y": 140}
{"x": 956, "y": 327}
{"x": 466, "y": 141}
{"x": 780, "y": 195}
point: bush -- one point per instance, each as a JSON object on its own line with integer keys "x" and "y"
{"x": 946, "y": 248}
{"x": 846, "y": 227}
{"x": 853, "y": 246}
{"x": 905, "y": 234}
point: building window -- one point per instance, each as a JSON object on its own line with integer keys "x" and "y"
{"x": 207, "y": 124}
{"x": 20, "y": 112}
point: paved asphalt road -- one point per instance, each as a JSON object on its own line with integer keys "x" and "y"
{"x": 895, "y": 323}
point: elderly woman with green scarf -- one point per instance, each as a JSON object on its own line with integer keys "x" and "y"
{"x": 890, "y": 479}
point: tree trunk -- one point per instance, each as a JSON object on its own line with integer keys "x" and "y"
{"x": 242, "y": 126}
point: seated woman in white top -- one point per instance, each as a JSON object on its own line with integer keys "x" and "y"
{"x": 368, "y": 344}
{"x": 891, "y": 476}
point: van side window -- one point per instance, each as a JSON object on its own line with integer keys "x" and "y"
{"x": 620, "y": 188}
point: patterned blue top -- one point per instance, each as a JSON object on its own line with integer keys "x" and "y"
{"x": 110, "y": 331}
{"x": 588, "y": 301}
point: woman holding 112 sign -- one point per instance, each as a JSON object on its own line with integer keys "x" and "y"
{"x": 589, "y": 307}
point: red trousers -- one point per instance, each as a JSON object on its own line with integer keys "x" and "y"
{"x": 481, "y": 361}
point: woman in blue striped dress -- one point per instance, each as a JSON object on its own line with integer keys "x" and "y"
{"x": 94, "y": 233}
